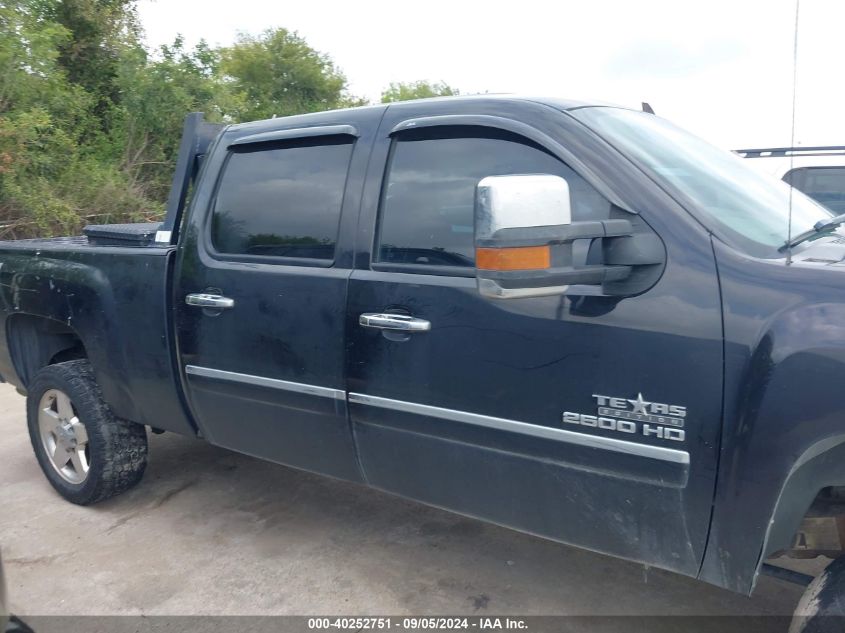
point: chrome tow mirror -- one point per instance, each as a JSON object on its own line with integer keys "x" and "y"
{"x": 524, "y": 235}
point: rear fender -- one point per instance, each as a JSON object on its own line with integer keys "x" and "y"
{"x": 81, "y": 297}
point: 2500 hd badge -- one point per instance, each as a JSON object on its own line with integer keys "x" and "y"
{"x": 638, "y": 415}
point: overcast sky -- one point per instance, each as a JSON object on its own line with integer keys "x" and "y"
{"x": 720, "y": 68}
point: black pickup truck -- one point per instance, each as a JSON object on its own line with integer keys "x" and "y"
{"x": 575, "y": 320}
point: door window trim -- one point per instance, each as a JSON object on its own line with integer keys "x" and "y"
{"x": 295, "y": 134}
{"x": 495, "y": 123}
{"x": 424, "y": 269}
{"x": 278, "y": 136}
{"x": 520, "y": 129}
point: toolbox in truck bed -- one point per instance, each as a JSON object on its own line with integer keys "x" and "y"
{"x": 136, "y": 234}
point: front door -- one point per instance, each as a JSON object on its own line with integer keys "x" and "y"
{"x": 261, "y": 292}
{"x": 588, "y": 419}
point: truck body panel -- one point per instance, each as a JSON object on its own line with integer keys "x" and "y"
{"x": 783, "y": 437}
{"x": 116, "y": 301}
{"x": 530, "y": 360}
{"x": 287, "y": 402}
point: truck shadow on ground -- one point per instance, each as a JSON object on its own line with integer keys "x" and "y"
{"x": 345, "y": 541}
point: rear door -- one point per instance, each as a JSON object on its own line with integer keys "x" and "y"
{"x": 585, "y": 418}
{"x": 261, "y": 289}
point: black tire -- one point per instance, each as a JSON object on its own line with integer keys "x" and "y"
{"x": 116, "y": 451}
{"x": 822, "y": 607}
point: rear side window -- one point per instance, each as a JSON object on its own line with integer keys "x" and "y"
{"x": 823, "y": 184}
{"x": 427, "y": 203}
{"x": 282, "y": 200}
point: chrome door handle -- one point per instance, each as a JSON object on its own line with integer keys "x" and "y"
{"x": 215, "y": 302}
{"x": 394, "y": 322}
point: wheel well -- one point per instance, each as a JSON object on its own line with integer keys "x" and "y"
{"x": 35, "y": 342}
{"x": 822, "y": 528}
{"x": 809, "y": 516}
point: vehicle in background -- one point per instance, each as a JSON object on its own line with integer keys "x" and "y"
{"x": 818, "y": 172}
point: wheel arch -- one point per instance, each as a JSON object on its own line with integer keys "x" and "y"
{"x": 37, "y": 341}
{"x": 820, "y": 466}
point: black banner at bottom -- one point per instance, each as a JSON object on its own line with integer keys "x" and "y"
{"x": 361, "y": 624}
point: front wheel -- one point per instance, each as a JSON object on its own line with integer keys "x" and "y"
{"x": 86, "y": 453}
{"x": 822, "y": 607}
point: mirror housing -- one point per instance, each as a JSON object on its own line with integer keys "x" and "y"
{"x": 524, "y": 238}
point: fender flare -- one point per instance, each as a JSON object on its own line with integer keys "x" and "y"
{"x": 822, "y": 465}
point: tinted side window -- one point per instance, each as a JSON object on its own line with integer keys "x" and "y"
{"x": 427, "y": 203}
{"x": 823, "y": 184}
{"x": 282, "y": 201}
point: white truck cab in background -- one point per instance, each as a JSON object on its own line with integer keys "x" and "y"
{"x": 818, "y": 172}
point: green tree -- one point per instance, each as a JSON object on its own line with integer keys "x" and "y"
{"x": 277, "y": 74}
{"x": 54, "y": 174}
{"x": 90, "y": 120}
{"x": 406, "y": 91}
{"x": 158, "y": 91}
{"x": 33, "y": 97}
{"x": 98, "y": 31}
{"x": 28, "y": 55}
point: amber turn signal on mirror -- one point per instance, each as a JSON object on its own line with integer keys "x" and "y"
{"x": 517, "y": 258}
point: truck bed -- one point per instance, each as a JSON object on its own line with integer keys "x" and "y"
{"x": 135, "y": 235}
{"x": 114, "y": 300}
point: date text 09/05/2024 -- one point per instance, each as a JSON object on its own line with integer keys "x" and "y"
{"x": 418, "y": 623}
